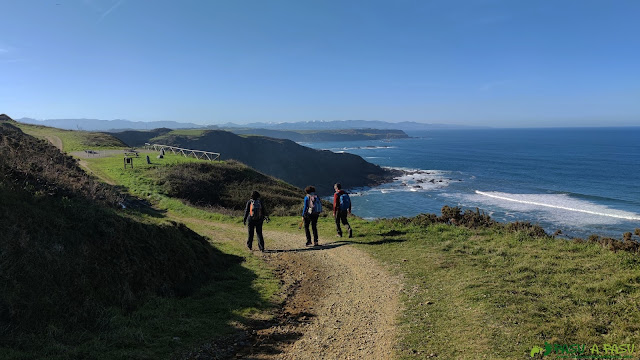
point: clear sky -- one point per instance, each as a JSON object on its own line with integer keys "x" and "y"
{"x": 505, "y": 63}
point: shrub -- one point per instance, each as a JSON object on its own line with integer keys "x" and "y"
{"x": 450, "y": 215}
{"x": 532, "y": 230}
{"x": 229, "y": 185}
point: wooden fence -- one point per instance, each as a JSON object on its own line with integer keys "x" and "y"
{"x": 198, "y": 154}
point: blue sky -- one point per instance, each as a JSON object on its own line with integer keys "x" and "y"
{"x": 498, "y": 63}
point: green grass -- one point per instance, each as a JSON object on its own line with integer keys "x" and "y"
{"x": 137, "y": 180}
{"x": 486, "y": 294}
{"x": 73, "y": 140}
{"x": 225, "y": 186}
{"x": 187, "y": 132}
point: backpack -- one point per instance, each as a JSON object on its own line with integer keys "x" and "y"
{"x": 255, "y": 209}
{"x": 315, "y": 205}
{"x": 345, "y": 202}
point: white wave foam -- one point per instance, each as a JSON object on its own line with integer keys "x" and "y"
{"x": 415, "y": 180}
{"x": 585, "y": 212}
{"x": 370, "y": 147}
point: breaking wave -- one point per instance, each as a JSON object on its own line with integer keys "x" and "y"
{"x": 413, "y": 180}
{"x": 553, "y": 202}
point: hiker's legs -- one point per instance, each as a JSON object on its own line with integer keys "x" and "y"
{"x": 338, "y": 229}
{"x": 259, "y": 233}
{"x": 307, "y": 221}
{"x": 343, "y": 218}
{"x": 314, "y": 227}
{"x": 250, "y": 227}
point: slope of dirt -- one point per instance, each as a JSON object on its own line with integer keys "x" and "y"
{"x": 55, "y": 141}
{"x": 340, "y": 303}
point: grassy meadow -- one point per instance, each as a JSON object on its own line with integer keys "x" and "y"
{"x": 488, "y": 292}
{"x": 73, "y": 140}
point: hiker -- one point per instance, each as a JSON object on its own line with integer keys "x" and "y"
{"x": 310, "y": 213}
{"x": 256, "y": 213}
{"x": 341, "y": 208}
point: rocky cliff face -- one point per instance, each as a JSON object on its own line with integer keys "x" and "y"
{"x": 286, "y": 160}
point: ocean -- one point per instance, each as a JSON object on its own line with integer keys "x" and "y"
{"x": 581, "y": 181}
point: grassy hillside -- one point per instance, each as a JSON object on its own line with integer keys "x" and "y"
{"x": 73, "y": 140}
{"x": 496, "y": 293}
{"x": 221, "y": 186}
{"x": 283, "y": 159}
{"x": 75, "y": 267}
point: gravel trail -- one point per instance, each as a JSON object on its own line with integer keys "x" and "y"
{"x": 344, "y": 304}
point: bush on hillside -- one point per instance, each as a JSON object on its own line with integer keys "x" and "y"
{"x": 626, "y": 244}
{"x": 228, "y": 185}
{"x": 531, "y": 230}
{"x": 471, "y": 219}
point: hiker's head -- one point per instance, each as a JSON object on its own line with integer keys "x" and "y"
{"x": 337, "y": 186}
{"x": 255, "y": 195}
{"x": 309, "y": 189}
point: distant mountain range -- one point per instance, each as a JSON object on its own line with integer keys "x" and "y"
{"x": 325, "y": 135}
{"x": 120, "y": 125}
{"x": 348, "y": 124}
{"x": 109, "y": 125}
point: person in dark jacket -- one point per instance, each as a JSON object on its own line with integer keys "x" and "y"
{"x": 338, "y": 214}
{"x": 256, "y": 213}
{"x": 309, "y": 215}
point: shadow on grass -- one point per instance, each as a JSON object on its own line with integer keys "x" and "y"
{"x": 393, "y": 233}
{"x": 137, "y": 290}
{"x": 335, "y": 244}
{"x": 245, "y": 338}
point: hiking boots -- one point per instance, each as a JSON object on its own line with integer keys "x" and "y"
{"x": 350, "y": 233}
{"x": 308, "y": 243}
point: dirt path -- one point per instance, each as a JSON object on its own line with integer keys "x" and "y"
{"x": 55, "y": 141}
{"x": 340, "y": 304}
{"x": 85, "y": 165}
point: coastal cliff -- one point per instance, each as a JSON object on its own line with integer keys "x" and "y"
{"x": 281, "y": 158}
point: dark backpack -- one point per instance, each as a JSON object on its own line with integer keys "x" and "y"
{"x": 345, "y": 202}
{"x": 315, "y": 205}
{"x": 255, "y": 209}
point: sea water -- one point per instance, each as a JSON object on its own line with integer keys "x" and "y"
{"x": 579, "y": 180}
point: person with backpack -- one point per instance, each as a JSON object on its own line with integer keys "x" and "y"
{"x": 341, "y": 208}
{"x": 310, "y": 213}
{"x": 256, "y": 213}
